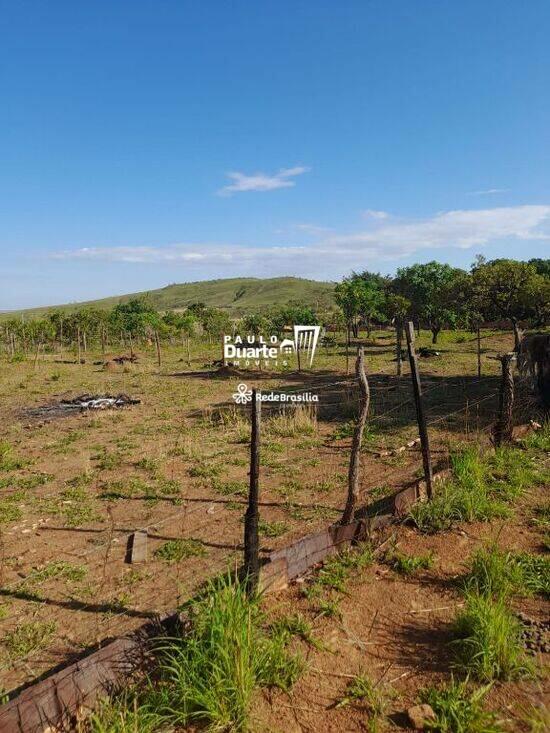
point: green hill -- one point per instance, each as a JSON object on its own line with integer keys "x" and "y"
{"x": 237, "y": 295}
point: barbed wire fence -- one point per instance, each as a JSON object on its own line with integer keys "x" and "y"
{"x": 389, "y": 455}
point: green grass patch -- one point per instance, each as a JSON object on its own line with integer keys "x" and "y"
{"x": 10, "y": 511}
{"x": 208, "y": 676}
{"x": 337, "y": 571}
{"x": 28, "y": 637}
{"x": 481, "y": 488}
{"x": 369, "y": 696}
{"x": 495, "y": 572}
{"x": 57, "y": 569}
{"x": 8, "y": 460}
{"x": 272, "y": 529}
{"x": 296, "y": 625}
{"x": 539, "y": 440}
{"x": 487, "y": 641}
{"x": 458, "y": 708}
{"x": 204, "y": 470}
{"x": 175, "y": 551}
{"x": 409, "y": 564}
{"x": 230, "y": 488}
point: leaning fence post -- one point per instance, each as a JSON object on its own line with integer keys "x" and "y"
{"x": 251, "y": 539}
{"x": 355, "y": 457}
{"x": 503, "y": 428}
{"x": 420, "y": 416}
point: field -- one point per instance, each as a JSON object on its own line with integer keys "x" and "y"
{"x": 74, "y": 487}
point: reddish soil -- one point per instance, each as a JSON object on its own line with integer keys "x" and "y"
{"x": 396, "y": 629}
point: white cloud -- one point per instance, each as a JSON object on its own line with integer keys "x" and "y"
{"x": 262, "y": 181}
{"x": 332, "y": 255}
{"x": 488, "y": 191}
{"x": 374, "y": 214}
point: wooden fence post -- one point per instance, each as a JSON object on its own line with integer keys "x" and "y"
{"x": 503, "y": 428}
{"x": 355, "y": 457}
{"x": 399, "y": 338}
{"x": 251, "y": 539}
{"x": 420, "y": 416}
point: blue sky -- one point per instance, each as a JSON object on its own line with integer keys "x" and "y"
{"x": 144, "y": 143}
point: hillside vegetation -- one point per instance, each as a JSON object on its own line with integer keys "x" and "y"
{"x": 237, "y": 295}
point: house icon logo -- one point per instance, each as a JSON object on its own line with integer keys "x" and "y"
{"x": 305, "y": 339}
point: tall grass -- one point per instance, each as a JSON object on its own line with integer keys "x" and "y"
{"x": 208, "y": 676}
{"x": 292, "y": 422}
{"x": 495, "y": 572}
{"x": 487, "y": 640}
{"x": 480, "y": 488}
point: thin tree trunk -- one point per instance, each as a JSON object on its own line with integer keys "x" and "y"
{"x": 36, "y": 355}
{"x": 157, "y": 344}
{"x": 355, "y": 457}
{"x": 79, "y": 351}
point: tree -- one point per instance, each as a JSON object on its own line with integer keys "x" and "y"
{"x": 347, "y": 296}
{"x": 397, "y": 307}
{"x": 539, "y": 300}
{"x": 255, "y": 324}
{"x": 40, "y": 330}
{"x": 505, "y": 288}
{"x": 290, "y": 315}
{"x": 185, "y": 324}
{"x": 541, "y": 266}
{"x": 132, "y": 318}
{"x": 429, "y": 288}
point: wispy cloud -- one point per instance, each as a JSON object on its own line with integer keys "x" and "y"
{"x": 374, "y": 214}
{"x": 262, "y": 181}
{"x": 331, "y": 255}
{"x": 488, "y": 191}
{"x": 312, "y": 230}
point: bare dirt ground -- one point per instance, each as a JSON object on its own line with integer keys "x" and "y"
{"x": 396, "y": 630}
{"x": 73, "y": 488}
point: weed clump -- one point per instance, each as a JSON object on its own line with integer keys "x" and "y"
{"x": 8, "y": 460}
{"x": 495, "y": 572}
{"x": 208, "y": 676}
{"x": 362, "y": 691}
{"x": 459, "y": 709}
{"x": 487, "y": 640}
{"x": 28, "y": 637}
{"x": 175, "y": 551}
{"x": 409, "y": 564}
{"x": 480, "y": 489}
